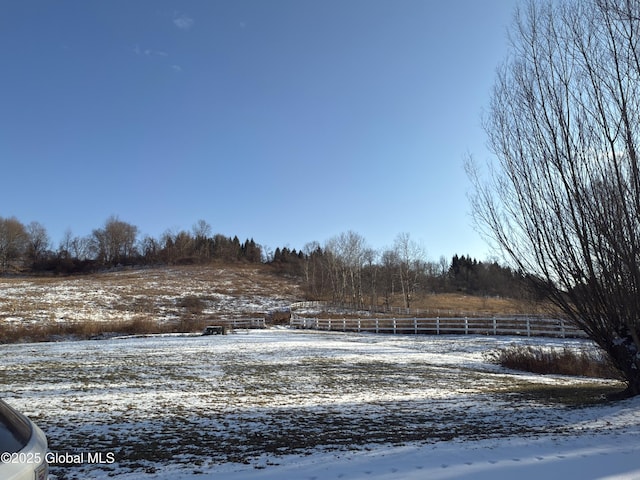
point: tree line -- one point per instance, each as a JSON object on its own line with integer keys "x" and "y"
{"x": 117, "y": 243}
{"x": 345, "y": 269}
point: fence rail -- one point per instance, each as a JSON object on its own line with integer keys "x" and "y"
{"x": 296, "y": 307}
{"x": 241, "y": 323}
{"x": 530, "y": 326}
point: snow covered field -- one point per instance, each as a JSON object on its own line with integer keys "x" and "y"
{"x": 273, "y": 404}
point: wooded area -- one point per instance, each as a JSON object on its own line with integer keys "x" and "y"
{"x": 29, "y": 248}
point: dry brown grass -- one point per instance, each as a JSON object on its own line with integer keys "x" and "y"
{"x": 476, "y": 305}
{"x": 52, "y": 331}
{"x": 459, "y": 304}
{"x": 563, "y": 361}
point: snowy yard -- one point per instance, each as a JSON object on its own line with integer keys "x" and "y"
{"x": 274, "y": 404}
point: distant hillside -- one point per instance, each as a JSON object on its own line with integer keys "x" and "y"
{"x": 180, "y": 299}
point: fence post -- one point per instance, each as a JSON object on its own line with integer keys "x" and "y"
{"x": 394, "y": 326}
{"x": 329, "y": 325}
{"x": 495, "y": 326}
{"x": 344, "y": 324}
{"x": 528, "y": 327}
{"x": 437, "y": 325}
{"x": 415, "y": 325}
{"x": 377, "y": 325}
{"x": 358, "y": 325}
{"x": 466, "y": 326}
{"x": 562, "y": 327}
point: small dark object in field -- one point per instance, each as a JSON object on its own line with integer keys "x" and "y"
{"x": 215, "y": 330}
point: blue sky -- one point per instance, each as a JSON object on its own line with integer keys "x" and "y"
{"x": 285, "y": 121}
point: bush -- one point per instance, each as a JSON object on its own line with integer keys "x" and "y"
{"x": 194, "y": 305}
{"x": 281, "y": 316}
{"x": 555, "y": 361}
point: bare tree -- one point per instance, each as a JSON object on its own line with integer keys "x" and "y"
{"x": 74, "y": 247}
{"x": 312, "y": 269}
{"x": 150, "y": 249}
{"x": 336, "y": 271}
{"x": 409, "y": 256}
{"x": 64, "y": 247}
{"x": 203, "y": 245}
{"x": 388, "y": 266}
{"x": 115, "y": 242}
{"x": 13, "y": 241}
{"x": 346, "y": 255}
{"x": 562, "y": 201}
{"x": 370, "y": 277}
{"x": 38, "y": 242}
{"x": 81, "y": 247}
{"x": 354, "y": 248}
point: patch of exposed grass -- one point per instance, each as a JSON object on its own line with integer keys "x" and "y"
{"x": 568, "y": 395}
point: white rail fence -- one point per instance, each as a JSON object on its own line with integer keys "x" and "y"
{"x": 530, "y": 326}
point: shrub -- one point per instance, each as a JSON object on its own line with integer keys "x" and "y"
{"x": 194, "y": 305}
{"x": 280, "y": 316}
{"x": 563, "y": 361}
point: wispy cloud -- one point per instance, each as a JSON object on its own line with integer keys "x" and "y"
{"x": 149, "y": 52}
{"x": 176, "y": 68}
{"x": 183, "y": 21}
